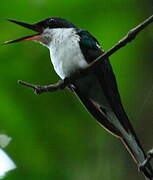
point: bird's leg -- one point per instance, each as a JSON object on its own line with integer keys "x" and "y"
{"x": 61, "y": 84}
{"x": 147, "y": 160}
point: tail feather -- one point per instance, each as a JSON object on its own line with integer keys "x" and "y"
{"x": 107, "y": 118}
{"x": 139, "y": 158}
{"x": 133, "y": 145}
{"x": 147, "y": 171}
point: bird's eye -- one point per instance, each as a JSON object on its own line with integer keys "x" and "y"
{"x": 50, "y": 20}
{"x": 47, "y": 23}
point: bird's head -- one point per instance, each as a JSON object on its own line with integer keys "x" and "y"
{"x": 43, "y": 28}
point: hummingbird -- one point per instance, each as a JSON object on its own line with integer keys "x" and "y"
{"x": 72, "y": 49}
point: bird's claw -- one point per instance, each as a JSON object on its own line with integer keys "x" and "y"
{"x": 150, "y": 153}
{"x": 142, "y": 165}
{"x": 37, "y": 90}
{"x": 147, "y": 160}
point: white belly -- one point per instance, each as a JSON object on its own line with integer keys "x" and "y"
{"x": 66, "y": 55}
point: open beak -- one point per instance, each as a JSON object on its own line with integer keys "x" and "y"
{"x": 35, "y": 27}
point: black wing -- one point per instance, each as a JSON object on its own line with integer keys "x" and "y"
{"x": 91, "y": 50}
{"x": 104, "y": 73}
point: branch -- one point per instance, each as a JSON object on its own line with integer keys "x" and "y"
{"x": 40, "y": 89}
{"x": 64, "y": 83}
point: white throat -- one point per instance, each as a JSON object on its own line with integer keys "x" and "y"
{"x": 66, "y": 55}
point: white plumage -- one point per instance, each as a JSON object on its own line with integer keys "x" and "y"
{"x": 66, "y": 55}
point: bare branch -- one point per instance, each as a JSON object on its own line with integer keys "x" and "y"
{"x": 64, "y": 83}
{"x": 41, "y": 89}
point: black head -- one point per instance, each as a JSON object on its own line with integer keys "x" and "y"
{"x": 55, "y": 22}
{"x": 39, "y": 27}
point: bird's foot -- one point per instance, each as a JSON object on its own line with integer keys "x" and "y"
{"x": 147, "y": 160}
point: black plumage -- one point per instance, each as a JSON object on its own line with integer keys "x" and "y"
{"x": 91, "y": 50}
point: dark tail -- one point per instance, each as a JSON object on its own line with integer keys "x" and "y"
{"x": 147, "y": 171}
{"x": 139, "y": 156}
{"x": 109, "y": 120}
{"x": 131, "y": 142}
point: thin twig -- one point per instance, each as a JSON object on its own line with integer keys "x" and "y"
{"x": 64, "y": 83}
{"x": 40, "y": 89}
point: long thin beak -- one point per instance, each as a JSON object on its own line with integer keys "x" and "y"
{"x": 35, "y": 27}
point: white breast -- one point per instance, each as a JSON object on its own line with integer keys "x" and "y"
{"x": 65, "y": 52}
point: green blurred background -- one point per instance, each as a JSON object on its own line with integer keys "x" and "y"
{"x": 53, "y": 135}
